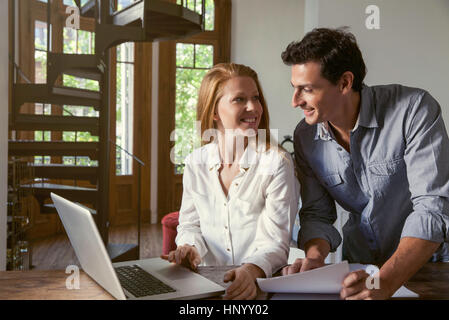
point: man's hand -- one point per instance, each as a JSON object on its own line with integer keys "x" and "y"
{"x": 301, "y": 265}
{"x": 316, "y": 252}
{"x": 409, "y": 257}
{"x": 354, "y": 287}
{"x": 185, "y": 255}
{"x": 243, "y": 279}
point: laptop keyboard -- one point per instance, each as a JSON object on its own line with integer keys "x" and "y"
{"x": 139, "y": 282}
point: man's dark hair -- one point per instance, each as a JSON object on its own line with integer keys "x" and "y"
{"x": 335, "y": 49}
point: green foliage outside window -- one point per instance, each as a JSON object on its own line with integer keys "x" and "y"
{"x": 192, "y": 63}
{"x": 79, "y": 42}
{"x": 195, "y": 5}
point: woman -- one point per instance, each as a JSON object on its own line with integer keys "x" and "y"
{"x": 240, "y": 197}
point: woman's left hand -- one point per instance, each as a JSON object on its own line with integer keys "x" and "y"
{"x": 243, "y": 285}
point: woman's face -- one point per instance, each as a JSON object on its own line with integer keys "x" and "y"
{"x": 239, "y": 108}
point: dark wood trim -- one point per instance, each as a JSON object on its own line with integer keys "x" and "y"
{"x": 141, "y": 139}
{"x": 25, "y": 62}
{"x": 223, "y": 23}
{"x": 11, "y": 54}
{"x": 142, "y": 122}
{"x": 166, "y": 110}
{"x": 112, "y": 135}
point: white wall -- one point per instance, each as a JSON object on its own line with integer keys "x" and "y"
{"x": 4, "y": 41}
{"x": 411, "y": 47}
{"x": 261, "y": 30}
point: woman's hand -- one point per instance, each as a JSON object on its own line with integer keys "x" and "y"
{"x": 185, "y": 255}
{"x": 243, "y": 279}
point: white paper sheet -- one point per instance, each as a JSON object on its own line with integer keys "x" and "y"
{"x": 294, "y": 254}
{"x": 319, "y": 284}
{"x": 325, "y": 280}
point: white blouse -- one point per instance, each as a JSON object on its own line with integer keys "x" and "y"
{"x": 253, "y": 224}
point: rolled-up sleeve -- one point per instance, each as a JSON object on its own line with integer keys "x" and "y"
{"x": 273, "y": 232}
{"x": 189, "y": 229}
{"x": 427, "y": 160}
{"x": 318, "y": 212}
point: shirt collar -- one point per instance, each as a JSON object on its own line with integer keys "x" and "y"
{"x": 213, "y": 159}
{"x": 366, "y": 117}
{"x": 356, "y": 123}
{"x": 248, "y": 158}
{"x": 322, "y": 131}
{"x": 367, "y": 114}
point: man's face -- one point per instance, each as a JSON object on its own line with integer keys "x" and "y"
{"x": 316, "y": 96}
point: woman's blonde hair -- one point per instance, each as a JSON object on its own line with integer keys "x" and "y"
{"x": 211, "y": 91}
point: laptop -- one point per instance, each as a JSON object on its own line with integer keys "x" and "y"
{"x": 148, "y": 279}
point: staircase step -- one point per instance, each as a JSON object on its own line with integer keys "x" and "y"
{"x": 31, "y": 122}
{"x": 77, "y": 93}
{"x": 88, "y": 9}
{"x": 61, "y": 171}
{"x": 162, "y": 20}
{"x": 131, "y": 15}
{"x": 87, "y": 66}
{"x": 77, "y": 194}
{"x": 49, "y": 208}
{"x": 85, "y": 73}
{"x": 42, "y": 93}
{"x": 53, "y": 148}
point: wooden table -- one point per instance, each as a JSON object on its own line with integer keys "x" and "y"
{"x": 48, "y": 285}
{"x": 431, "y": 282}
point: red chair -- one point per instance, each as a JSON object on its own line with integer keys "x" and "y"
{"x": 169, "y": 224}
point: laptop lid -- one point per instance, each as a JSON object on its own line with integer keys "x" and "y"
{"x": 88, "y": 245}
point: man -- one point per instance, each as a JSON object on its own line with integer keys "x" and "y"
{"x": 381, "y": 152}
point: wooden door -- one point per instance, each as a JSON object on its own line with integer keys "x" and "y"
{"x": 124, "y": 188}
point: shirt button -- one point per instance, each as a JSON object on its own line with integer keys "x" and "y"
{"x": 228, "y": 249}
{"x": 339, "y": 149}
{"x": 226, "y": 227}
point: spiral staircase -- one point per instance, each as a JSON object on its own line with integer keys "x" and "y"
{"x": 142, "y": 21}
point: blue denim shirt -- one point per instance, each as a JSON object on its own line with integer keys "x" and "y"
{"x": 394, "y": 182}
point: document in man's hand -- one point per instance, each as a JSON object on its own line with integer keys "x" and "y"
{"x": 324, "y": 280}
{"x": 316, "y": 284}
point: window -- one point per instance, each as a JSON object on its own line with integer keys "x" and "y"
{"x": 192, "y": 63}
{"x": 121, "y": 4}
{"x": 195, "y": 5}
{"x": 79, "y": 42}
{"x": 40, "y": 71}
{"x": 71, "y": 42}
{"x": 125, "y": 106}
{"x": 193, "y": 60}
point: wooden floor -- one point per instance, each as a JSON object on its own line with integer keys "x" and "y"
{"x": 56, "y": 253}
